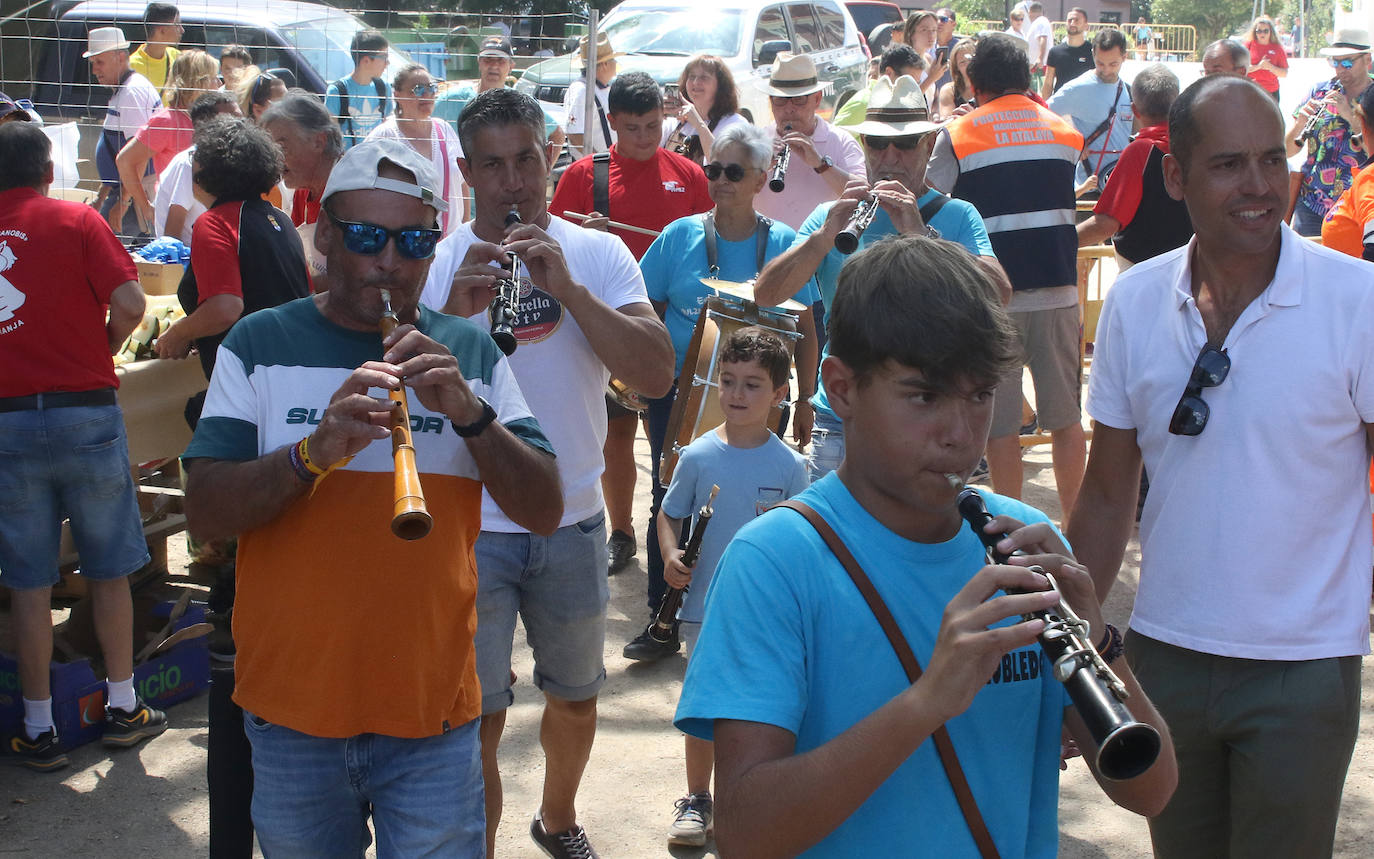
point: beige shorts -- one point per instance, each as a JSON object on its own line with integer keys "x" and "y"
{"x": 1050, "y": 341}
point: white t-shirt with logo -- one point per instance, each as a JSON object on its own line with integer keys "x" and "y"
{"x": 563, "y": 380}
{"x": 131, "y": 105}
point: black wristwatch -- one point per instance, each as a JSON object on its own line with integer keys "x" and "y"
{"x": 475, "y": 428}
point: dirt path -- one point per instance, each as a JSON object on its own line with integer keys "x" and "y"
{"x": 152, "y": 801}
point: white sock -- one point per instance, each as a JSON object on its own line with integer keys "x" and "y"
{"x": 38, "y": 717}
{"x": 121, "y": 694}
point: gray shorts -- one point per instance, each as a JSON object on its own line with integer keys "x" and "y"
{"x": 557, "y": 585}
{"x": 1050, "y": 341}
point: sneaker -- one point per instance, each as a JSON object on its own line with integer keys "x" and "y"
{"x": 128, "y": 728}
{"x": 1032, "y": 426}
{"x": 693, "y": 822}
{"x": 569, "y": 844}
{"x": 645, "y": 649}
{"x": 619, "y": 550}
{"x": 981, "y": 472}
{"x": 42, "y": 754}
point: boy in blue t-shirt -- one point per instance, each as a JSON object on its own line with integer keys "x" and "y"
{"x": 362, "y": 100}
{"x": 754, "y": 470}
{"x": 820, "y": 738}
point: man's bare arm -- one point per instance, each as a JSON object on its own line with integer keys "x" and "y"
{"x": 1110, "y": 489}
{"x": 127, "y": 304}
{"x": 522, "y": 479}
{"x": 1097, "y": 229}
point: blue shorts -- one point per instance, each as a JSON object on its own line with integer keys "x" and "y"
{"x": 557, "y": 585}
{"x": 827, "y": 446}
{"x": 312, "y": 796}
{"x": 58, "y": 463}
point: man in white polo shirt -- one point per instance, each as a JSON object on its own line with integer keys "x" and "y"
{"x": 1253, "y": 607}
{"x": 823, "y": 157}
{"x": 130, "y": 107}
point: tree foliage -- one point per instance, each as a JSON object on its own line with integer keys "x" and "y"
{"x": 1213, "y": 19}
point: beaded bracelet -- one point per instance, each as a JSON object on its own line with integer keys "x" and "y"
{"x": 1112, "y": 645}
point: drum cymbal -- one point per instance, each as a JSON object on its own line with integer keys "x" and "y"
{"x": 745, "y": 291}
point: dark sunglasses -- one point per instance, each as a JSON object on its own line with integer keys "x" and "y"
{"x": 422, "y": 90}
{"x": 1344, "y": 62}
{"x": 944, "y": 19}
{"x": 780, "y": 100}
{"x": 370, "y": 239}
{"x": 1191, "y": 413}
{"x": 733, "y": 172}
{"x": 264, "y": 82}
{"x": 905, "y": 144}
{"x": 1260, "y": 31}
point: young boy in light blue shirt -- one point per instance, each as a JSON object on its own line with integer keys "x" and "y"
{"x": 754, "y": 470}
{"x": 362, "y": 100}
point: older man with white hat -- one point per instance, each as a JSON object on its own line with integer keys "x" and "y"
{"x": 898, "y": 136}
{"x": 129, "y": 109}
{"x": 380, "y": 722}
{"x": 823, "y": 158}
{"x": 1335, "y": 147}
{"x": 601, "y": 136}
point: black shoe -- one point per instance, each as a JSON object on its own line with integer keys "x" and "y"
{"x": 1032, "y": 426}
{"x": 569, "y": 844}
{"x": 619, "y": 550}
{"x": 645, "y": 649}
{"x": 125, "y": 728}
{"x": 42, "y": 754}
{"x": 221, "y": 638}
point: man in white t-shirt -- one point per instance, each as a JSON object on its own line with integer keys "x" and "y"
{"x": 601, "y": 136}
{"x": 1039, "y": 40}
{"x": 175, "y": 209}
{"x": 823, "y": 157}
{"x": 581, "y": 315}
{"x": 1249, "y": 647}
{"x": 130, "y": 107}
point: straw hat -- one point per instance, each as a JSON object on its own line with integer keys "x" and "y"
{"x": 103, "y": 39}
{"x": 604, "y": 51}
{"x": 1349, "y": 42}
{"x": 896, "y": 110}
{"x": 793, "y": 74}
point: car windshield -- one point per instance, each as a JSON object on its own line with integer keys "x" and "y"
{"x": 675, "y": 32}
{"x": 324, "y": 44}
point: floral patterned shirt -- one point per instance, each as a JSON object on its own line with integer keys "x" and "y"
{"x": 1331, "y": 160}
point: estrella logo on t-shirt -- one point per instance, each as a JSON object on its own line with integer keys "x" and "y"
{"x": 537, "y": 314}
{"x": 673, "y": 186}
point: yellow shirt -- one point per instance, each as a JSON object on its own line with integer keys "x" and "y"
{"x": 157, "y": 71}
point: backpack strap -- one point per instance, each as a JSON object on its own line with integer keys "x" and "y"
{"x": 761, "y": 230}
{"x": 601, "y": 183}
{"x": 380, "y": 86}
{"x": 943, "y": 744}
{"x": 931, "y": 209}
{"x": 344, "y": 116}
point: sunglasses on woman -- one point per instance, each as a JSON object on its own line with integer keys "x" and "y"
{"x": 369, "y": 240}
{"x": 425, "y": 90}
{"x": 733, "y": 172}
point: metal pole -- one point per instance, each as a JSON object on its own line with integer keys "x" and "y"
{"x": 589, "y": 97}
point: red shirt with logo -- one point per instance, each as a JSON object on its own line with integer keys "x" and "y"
{"x": 1276, "y": 55}
{"x": 649, "y": 194}
{"x": 59, "y": 264}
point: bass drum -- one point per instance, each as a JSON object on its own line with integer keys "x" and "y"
{"x": 697, "y": 407}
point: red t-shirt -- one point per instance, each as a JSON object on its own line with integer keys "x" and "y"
{"x": 305, "y": 209}
{"x": 650, "y": 194}
{"x": 167, "y": 133}
{"x": 1121, "y": 197}
{"x": 1267, "y": 80}
{"x": 59, "y": 264}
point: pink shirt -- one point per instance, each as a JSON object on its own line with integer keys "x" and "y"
{"x": 167, "y": 133}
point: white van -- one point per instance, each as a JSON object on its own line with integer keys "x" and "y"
{"x": 659, "y": 36}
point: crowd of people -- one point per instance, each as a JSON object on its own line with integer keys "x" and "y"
{"x": 915, "y": 256}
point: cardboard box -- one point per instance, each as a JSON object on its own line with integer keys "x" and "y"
{"x": 79, "y": 696}
{"x": 159, "y": 278}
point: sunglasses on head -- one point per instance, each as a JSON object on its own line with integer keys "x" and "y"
{"x": 264, "y": 81}
{"x": 1343, "y": 62}
{"x": 733, "y": 172}
{"x": 905, "y": 143}
{"x": 430, "y": 89}
{"x": 367, "y": 239}
{"x": 1209, "y": 370}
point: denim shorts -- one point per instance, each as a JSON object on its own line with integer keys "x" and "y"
{"x": 312, "y": 796}
{"x": 827, "y": 446}
{"x": 59, "y": 463}
{"x": 557, "y": 585}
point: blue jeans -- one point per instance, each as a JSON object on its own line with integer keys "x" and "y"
{"x": 312, "y": 796}
{"x": 66, "y": 462}
{"x": 1307, "y": 222}
{"x": 827, "y": 446}
{"x": 557, "y": 585}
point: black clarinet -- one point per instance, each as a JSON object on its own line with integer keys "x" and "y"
{"x": 847, "y": 240}
{"x": 1310, "y": 129}
{"x": 507, "y": 299}
{"x": 1125, "y": 747}
{"x": 777, "y": 180}
{"x": 661, "y": 630}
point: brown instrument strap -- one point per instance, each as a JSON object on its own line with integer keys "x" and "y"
{"x": 943, "y": 744}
